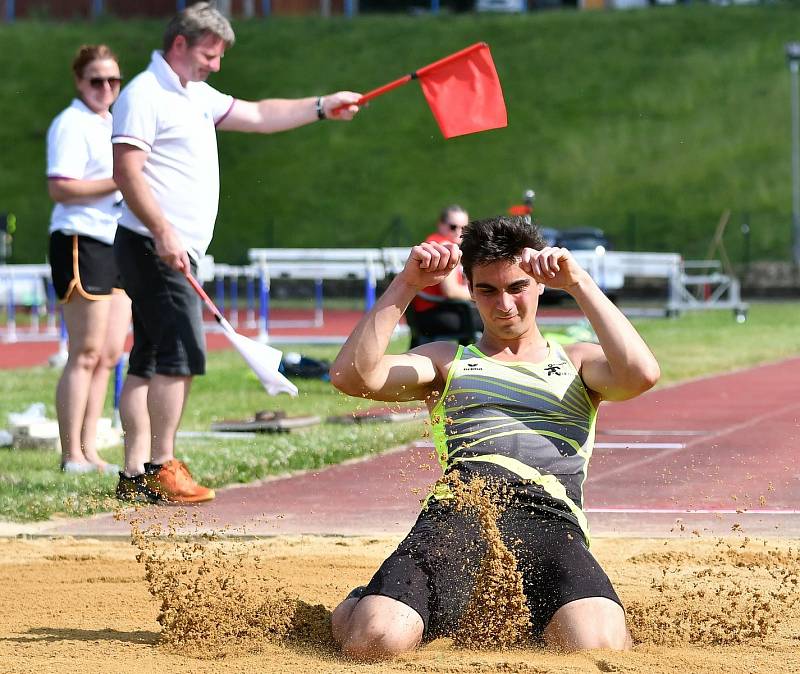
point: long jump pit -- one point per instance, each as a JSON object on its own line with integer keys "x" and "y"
{"x": 165, "y": 601}
{"x": 692, "y": 498}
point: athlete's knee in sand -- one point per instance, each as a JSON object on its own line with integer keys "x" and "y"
{"x": 376, "y": 628}
{"x": 588, "y": 624}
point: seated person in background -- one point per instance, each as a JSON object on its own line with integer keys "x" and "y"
{"x": 434, "y": 316}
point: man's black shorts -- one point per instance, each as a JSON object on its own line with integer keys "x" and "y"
{"x": 82, "y": 264}
{"x": 434, "y": 568}
{"x": 167, "y": 314}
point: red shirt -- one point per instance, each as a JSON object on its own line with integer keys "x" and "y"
{"x": 421, "y": 304}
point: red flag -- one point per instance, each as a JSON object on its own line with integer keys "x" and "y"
{"x": 463, "y": 92}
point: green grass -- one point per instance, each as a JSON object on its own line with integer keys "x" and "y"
{"x": 705, "y": 343}
{"x": 647, "y": 123}
{"x": 31, "y": 488}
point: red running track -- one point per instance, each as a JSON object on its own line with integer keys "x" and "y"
{"x": 681, "y": 460}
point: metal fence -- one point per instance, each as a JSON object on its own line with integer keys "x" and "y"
{"x": 29, "y": 311}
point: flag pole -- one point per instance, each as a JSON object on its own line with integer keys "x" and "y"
{"x": 416, "y": 74}
{"x": 382, "y": 90}
{"x": 209, "y": 303}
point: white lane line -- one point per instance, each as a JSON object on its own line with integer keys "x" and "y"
{"x": 618, "y": 431}
{"x": 639, "y": 445}
{"x": 722, "y": 432}
{"x": 688, "y": 511}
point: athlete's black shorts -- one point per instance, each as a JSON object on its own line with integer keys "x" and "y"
{"x": 82, "y": 264}
{"x": 167, "y": 314}
{"x": 434, "y": 568}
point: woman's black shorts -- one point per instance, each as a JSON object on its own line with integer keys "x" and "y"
{"x": 433, "y": 569}
{"x": 84, "y": 264}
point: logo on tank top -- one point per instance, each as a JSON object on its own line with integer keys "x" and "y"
{"x": 554, "y": 369}
{"x": 473, "y": 366}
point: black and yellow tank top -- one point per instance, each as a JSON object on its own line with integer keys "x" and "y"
{"x": 534, "y": 421}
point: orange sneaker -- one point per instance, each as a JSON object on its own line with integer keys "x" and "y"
{"x": 175, "y": 483}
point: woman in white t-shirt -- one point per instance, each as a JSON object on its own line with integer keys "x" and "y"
{"x": 96, "y": 310}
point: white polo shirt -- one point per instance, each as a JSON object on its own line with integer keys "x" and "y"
{"x": 79, "y": 148}
{"x": 176, "y": 126}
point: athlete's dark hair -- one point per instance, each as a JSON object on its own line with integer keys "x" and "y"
{"x": 494, "y": 239}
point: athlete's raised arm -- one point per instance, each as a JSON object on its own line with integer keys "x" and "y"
{"x": 621, "y": 366}
{"x": 363, "y": 367}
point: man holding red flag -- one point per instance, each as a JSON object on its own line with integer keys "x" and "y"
{"x": 166, "y": 165}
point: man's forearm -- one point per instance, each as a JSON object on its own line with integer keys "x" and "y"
{"x": 270, "y": 115}
{"x": 139, "y": 198}
{"x": 281, "y": 114}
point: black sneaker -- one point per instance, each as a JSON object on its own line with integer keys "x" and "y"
{"x": 136, "y": 490}
{"x": 151, "y": 468}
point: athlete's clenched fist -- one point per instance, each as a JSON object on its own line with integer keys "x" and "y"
{"x": 430, "y": 263}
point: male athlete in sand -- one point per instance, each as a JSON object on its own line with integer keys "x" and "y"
{"x": 513, "y": 409}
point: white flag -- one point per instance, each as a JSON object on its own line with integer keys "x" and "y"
{"x": 264, "y": 361}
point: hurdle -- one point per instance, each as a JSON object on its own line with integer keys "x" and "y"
{"x": 227, "y": 282}
{"x": 251, "y": 274}
{"x": 119, "y": 377}
{"x": 26, "y": 285}
{"x": 316, "y": 265}
{"x": 229, "y": 304}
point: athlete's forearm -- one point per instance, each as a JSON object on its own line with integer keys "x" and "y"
{"x": 358, "y": 369}
{"x": 629, "y": 358}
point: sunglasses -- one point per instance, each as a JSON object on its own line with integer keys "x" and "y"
{"x": 98, "y": 82}
{"x": 453, "y": 227}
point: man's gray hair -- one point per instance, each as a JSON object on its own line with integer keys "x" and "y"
{"x": 196, "y": 21}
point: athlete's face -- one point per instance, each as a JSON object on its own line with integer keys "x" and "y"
{"x": 98, "y": 85}
{"x": 195, "y": 63}
{"x": 506, "y": 297}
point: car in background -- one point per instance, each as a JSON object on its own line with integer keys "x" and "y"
{"x": 550, "y": 235}
{"x": 582, "y": 238}
{"x": 501, "y": 5}
{"x": 590, "y": 245}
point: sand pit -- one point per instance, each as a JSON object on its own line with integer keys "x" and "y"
{"x": 695, "y": 605}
